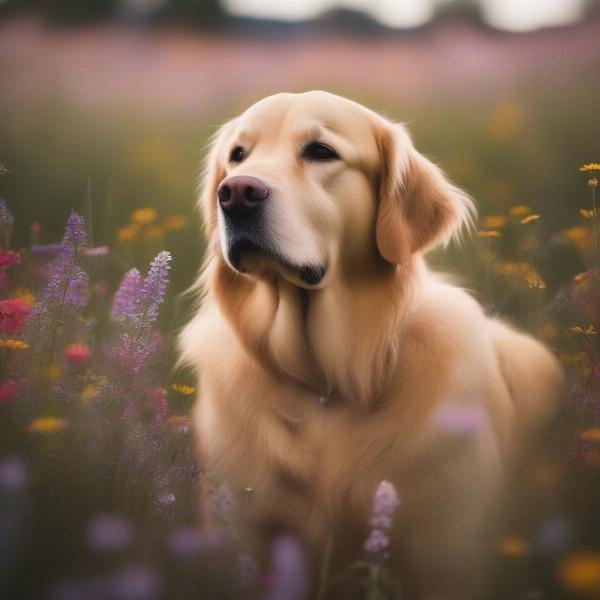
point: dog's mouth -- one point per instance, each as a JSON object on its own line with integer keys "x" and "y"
{"x": 243, "y": 248}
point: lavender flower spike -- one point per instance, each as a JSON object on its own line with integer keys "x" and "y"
{"x": 385, "y": 503}
{"x": 126, "y": 299}
{"x": 75, "y": 234}
{"x": 154, "y": 289}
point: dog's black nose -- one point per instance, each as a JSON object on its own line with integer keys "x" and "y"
{"x": 241, "y": 194}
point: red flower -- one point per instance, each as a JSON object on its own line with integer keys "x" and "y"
{"x": 77, "y": 353}
{"x": 9, "y": 391}
{"x": 12, "y": 315}
{"x": 9, "y": 259}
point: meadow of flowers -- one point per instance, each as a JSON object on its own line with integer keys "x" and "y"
{"x": 99, "y": 480}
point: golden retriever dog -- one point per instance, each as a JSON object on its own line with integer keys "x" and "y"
{"x": 331, "y": 358}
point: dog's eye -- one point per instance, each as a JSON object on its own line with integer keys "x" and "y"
{"x": 237, "y": 154}
{"x": 318, "y": 151}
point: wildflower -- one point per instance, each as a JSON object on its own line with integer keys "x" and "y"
{"x": 154, "y": 288}
{"x": 75, "y": 234}
{"x": 519, "y": 211}
{"x": 77, "y": 353}
{"x": 589, "y": 167}
{"x": 125, "y": 300}
{"x": 494, "y": 222}
{"x": 586, "y": 214}
{"x": 176, "y": 222}
{"x": 512, "y": 546}
{"x": 109, "y": 533}
{"x": 490, "y": 234}
{"x": 530, "y": 219}
{"x": 135, "y": 582}
{"x": 591, "y": 435}
{"x": 580, "y": 573}
{"x": 128, "y": 233}
{"x": 13, "y": 314}
{"x": 589, "y": 330}
{"x": 143, "y": 216}
{"x": 134, "y": 348}
{"x": 167, "y": 499}
{"x": 14, "y": 344}
{"x": 13, "y": 474}
{"x": 385, "y": 503}
{"x": 186, "y": 541}
{"x": 25, "y": 296}
{"x": 181, "y": 388}
{"x": 9, "y": 259}
{"x": 97, "y": 251}
{"x": 288, "y": 570}
{"x": 47, "y": 425}
{"x": 533, "y": 280}
{"x": 9, "y": 391}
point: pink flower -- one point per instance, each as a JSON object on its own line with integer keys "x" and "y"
{"x": 12, "y": 315}
{"x": 9, "y": 391}
{"x": 385, "y": 503}
{"x": 77, "y": 353}
{"x": 9, "y": 259}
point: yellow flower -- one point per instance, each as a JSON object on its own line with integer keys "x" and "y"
{"x": 519, "y": 211}
{"x": 494, "y": 222}
{"x": 586, "y": 214}
{"x": 47, "y": 425}
{"x": 591, "y": 435}
{"x": 176, "y": 222}
{"x": 490, "y": 234}
{"x": 593, "y": 182}
{"x": 581, "y": 573}
{"x": 153, "y": 233}
{"x": 88, "y": 392}
{"x": 14, "y": 344}
{"x": 128, "y": 233}
{"x": 512, "y": 546}
{"x": 143, "y": 216}
{"x": 589, "y": 330}
{"x": 533, "y": 280}
{"x": 186, "y": 390}
{"x": 25, "y": 296}
{"x": 589, "y": 167}
{"x": 506, "y": 120}
{"x": 529, "y": 219}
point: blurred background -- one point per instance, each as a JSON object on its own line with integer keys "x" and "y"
{"x": 105, "y": 105}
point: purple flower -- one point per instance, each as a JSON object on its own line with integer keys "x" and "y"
{"x": 126, "y": 298}
{"x": 108, "y": 533}
{"x": 136, "y": 345}
{"x": 288, "y": 570}
{"x": 135, "y": 582}
{"x": 154, "y": 289}
{"x": 13, "y": 474}
{"x": 98, "y": 251}
{"x": 75, "y": 234}
{"x": 385, "y": 503}
{"x": 46, "y": 248}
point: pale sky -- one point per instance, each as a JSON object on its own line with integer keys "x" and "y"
{"x": 514, "y": 15}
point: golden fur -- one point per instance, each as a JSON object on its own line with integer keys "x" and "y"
{"x": 393, "y": 346}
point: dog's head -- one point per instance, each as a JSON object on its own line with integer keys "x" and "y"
{"x": 307, "y": 185}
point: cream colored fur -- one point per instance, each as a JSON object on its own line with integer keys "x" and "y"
{"x": 392, "y": 345}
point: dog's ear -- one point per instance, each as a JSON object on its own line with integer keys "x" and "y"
{"x": 212, "y": 174}
{"x": 418, "y": 207}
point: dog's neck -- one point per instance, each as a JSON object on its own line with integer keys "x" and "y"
{"x": 340, "y": 341}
